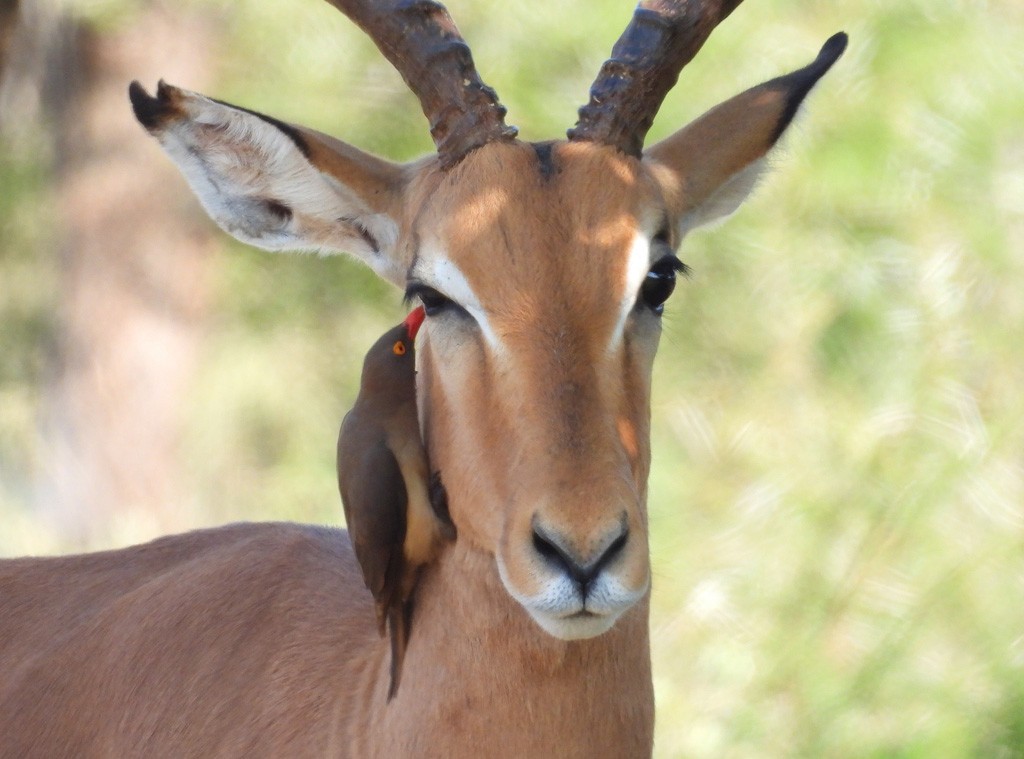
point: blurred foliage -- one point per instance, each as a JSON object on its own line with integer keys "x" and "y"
{"x": 837, "y": 502}
{"x": 28, "y": 292}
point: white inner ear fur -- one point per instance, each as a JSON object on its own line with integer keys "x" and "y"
{"x": 245, "y": 172}
{"x": 727, "y": 198}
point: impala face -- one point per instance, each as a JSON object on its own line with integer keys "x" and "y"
{"x": 536, "y": 362}
{"x": 543, "y": 269}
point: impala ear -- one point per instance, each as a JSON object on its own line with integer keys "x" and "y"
{"x": 708, "y": 168}
{"x": 279, "y": 186}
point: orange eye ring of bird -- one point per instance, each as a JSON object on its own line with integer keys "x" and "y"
{"x": 398, "y": 348}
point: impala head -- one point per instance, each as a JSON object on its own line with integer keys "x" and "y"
{"x": 543, "y": 269}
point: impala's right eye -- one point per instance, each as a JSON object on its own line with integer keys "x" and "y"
{"x": 433, "y": 301}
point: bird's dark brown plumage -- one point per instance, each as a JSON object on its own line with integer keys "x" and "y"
{"x": 383, "y": 476}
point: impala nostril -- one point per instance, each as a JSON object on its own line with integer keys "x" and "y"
{"x": 548, "y": 546}
{"x": 554, "y": 551}
{"x": 614, "y": 549}
{"x": 543, "y": 545}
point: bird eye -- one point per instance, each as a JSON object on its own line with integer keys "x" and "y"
{"x": 660, "y": 282}
{"x": 398, "y": 348}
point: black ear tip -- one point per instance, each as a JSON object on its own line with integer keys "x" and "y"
{"x": 799, "y": 83}
{"x": 137, "y": 93}
{"x": 805, "y": 78}
{"x": 150, "y": 111}
{"x": 147, "y": 108}
{"x": 833, "y": 48}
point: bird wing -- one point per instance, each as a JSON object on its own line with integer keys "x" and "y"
{"x": 374, "y": 497}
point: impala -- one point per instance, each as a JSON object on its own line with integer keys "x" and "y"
{"x": 544, "y": 269}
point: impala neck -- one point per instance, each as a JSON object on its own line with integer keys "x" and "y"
{"x": 480, "y": 670}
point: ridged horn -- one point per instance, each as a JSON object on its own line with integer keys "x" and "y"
{"x": 662, "y": 37}
{"x": 422, "y": 42}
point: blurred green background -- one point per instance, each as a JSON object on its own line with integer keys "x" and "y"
{"x": 837, "y": 503}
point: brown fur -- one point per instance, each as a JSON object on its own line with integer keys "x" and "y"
{"x": 259, "y": 640}
{"x": 226, "y": 642}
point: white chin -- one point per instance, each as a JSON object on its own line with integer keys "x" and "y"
{"x": 577, "y": 627}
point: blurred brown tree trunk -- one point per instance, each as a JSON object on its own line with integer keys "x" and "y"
{"x": 8, "y": 22}
{"x": 133, "y": 264}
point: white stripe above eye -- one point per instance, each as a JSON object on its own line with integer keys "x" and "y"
{"x": 434, "y": 269}
{"x": 638, "y": 263}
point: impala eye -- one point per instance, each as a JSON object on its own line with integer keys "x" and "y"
{"x": 433, "y": 301}
{"x": 660, "y": 282}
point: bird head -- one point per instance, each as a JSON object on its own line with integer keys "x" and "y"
{"x": 391, "y": 361}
